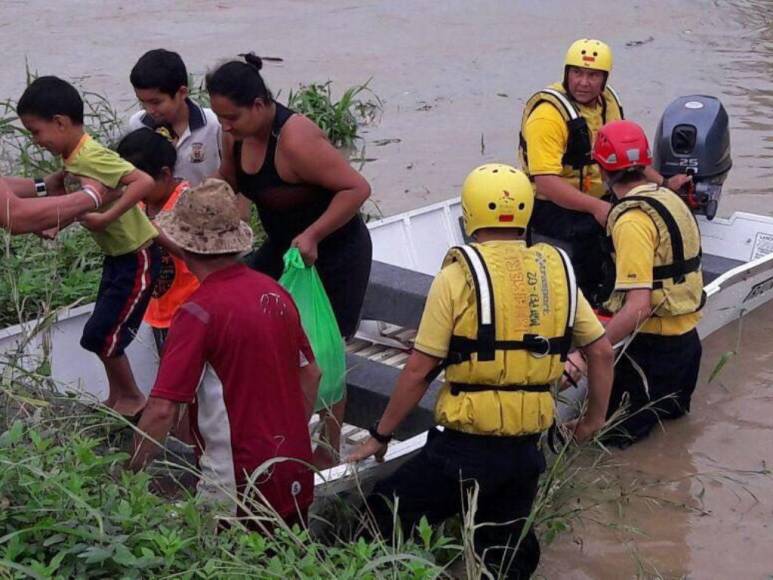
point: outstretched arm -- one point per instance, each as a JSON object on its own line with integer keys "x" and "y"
{"x": 600, "y": 371}
{"x": 411, "y": 386}
{"x": 25, "y": 187}
{"x": 22, "y": 216}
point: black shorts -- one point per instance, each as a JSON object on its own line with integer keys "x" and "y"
{"x": 123, "y": 296}
{"x": 670, "y": 365}
{"x": 343, "y": 264}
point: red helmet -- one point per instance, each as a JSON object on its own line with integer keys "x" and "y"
{"x": 621, "y": 145}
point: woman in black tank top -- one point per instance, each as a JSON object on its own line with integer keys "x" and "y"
{"x": 306, "y": 193}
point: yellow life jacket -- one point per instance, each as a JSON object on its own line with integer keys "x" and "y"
{"x": 508, "y": 347}
{"x": 677, "y": 277}
{"x": 578, "y": 166}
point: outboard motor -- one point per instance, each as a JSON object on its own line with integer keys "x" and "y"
{"x": 693, "y": 137}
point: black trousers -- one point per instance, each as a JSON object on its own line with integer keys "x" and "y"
{"x": 656, "y": 372}
{"x": 580, "y": 235}
{"x": 435, "y": 484}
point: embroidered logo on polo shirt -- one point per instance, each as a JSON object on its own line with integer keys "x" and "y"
{"x": 197, "y": 153}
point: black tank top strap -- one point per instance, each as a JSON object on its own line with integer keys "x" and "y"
{"x": 269, "y": 164}
{"x": 267, "y": 175}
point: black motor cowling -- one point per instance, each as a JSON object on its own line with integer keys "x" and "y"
{"x": 693, "y": 137}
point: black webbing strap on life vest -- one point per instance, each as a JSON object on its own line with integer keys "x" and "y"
{"x": 680, "y": 267}
{"x": 457, "y": 388}
{"x": 461, "y": 348}
{"x": 576, "y": 154}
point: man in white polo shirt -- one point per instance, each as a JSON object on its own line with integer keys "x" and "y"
{"x": 160, "y": 81}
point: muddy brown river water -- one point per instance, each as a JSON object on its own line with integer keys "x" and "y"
{"x": 698, "y": 496}
{"x": 453, "y": 77}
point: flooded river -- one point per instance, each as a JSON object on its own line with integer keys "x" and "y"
{"x": 695, "y": 500}
{"x": 453, "y": 77}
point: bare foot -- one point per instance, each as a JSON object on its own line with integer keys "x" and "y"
{"x": 128, "y": 407}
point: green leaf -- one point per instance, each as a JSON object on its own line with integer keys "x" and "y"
{"x": 124, "y": 557}
{"x": 97, "y": 554}
{"x": 55, "y": 539}
{"x": 425, "y": 532}
{"x": 723, "y": 360}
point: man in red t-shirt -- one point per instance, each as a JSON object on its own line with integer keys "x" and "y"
{"x": 242, "y": 331}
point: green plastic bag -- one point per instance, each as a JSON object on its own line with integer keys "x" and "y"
{"x": 319, "y": 322}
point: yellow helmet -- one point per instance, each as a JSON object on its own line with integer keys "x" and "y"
{"x": 589, "y": 53}
{"x": 496, "y": 196}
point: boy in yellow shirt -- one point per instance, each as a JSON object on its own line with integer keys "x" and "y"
{"x": 52, "y": 111}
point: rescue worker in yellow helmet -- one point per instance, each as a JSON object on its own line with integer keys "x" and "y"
{"x": 558, "y": 128}
{"x": 658, "y": 287}
{"x": 499, "y": 319}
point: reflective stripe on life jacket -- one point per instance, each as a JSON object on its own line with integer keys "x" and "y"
{"x": 506, "y": 352}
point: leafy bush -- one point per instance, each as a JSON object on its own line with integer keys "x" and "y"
{"x": 341, "y": 119}
{"x": 68, "y": 509}
{"x": 36, "y": 275}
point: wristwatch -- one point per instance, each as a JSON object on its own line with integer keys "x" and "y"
{"x": 40, "y": 187}
{"x": 383, "y": 439}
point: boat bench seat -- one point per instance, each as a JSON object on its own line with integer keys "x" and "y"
{"x": 369, "y": 386}
{"x": 715, "y": 266}
{"x": 395, "y": 295}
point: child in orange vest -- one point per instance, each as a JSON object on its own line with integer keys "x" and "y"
{"x": 154, "y": 153}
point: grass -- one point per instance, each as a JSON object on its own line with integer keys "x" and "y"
{"x": 69, "y": 508}
{"x": 339, "y": 119}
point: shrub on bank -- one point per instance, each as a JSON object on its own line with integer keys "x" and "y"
{"x": 69, "y": 509}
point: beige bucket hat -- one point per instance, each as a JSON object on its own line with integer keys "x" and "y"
{"x": 205, "y": 220}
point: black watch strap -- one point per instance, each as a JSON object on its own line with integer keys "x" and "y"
{"x": 40, "y": 187}
{"x": 383, "y": 439}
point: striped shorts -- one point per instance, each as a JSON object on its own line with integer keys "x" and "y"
{"x": 123, "y": 296}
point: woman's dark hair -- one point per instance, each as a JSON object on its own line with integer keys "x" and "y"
{"x": 49, "y": 96}
{"x": 148, "y": 151}
{"x": 241, "y": 82}
{"x": 160, "y": 69}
